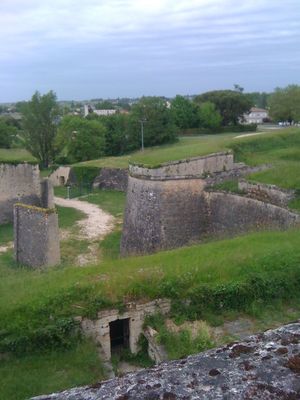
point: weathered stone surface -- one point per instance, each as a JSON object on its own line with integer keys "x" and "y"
{"x": 162, "y": 214}
{"x": 254, "y": 369}
{"x": 232, "y": 214}
{"x": 267, "y": 193}
{"x": 62, "y": 176}
{"x": 36, "y": 236}
{"x": 112, "y": 179}
{"x": 18, "y": 183}
{"x": 196, "y": 166}
{"x": 99, "y": 330}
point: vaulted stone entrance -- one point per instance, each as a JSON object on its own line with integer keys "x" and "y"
{"x": 114, "y": 329}
{"x": 119, "y": 334}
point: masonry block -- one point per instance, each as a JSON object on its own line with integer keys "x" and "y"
{"x": 36, "y": 236}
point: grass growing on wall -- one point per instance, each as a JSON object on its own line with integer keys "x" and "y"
{"x": 15, "y": 156}
{"x": 32, "y": 375}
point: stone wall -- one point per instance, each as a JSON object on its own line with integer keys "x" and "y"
{"x": 264, "y": 366}
{"x": 62, "y": 176}
{"x": 136, "y": 312}
{"x": 231, "y": 214}
{"x": 36, "y": 236}
{"x": 112, "y": 179}
{"x": 18, "y": 183}
{"x": 268, "y": 193}
{"x": 162, "y": 214}
{"x": 196, "y": 167}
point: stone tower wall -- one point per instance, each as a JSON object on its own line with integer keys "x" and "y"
{"x": 18, "y": 183}
{"x": 162, "y": 214}
{"x": 36, "y": 236}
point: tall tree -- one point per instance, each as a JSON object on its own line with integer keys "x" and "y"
{"x": 40, "y": 118}
{"x": 285, "y": 104}
{"x": 80, "y": 139}
{"x": 209, "y": 117}
{"x": 8, "y": 133}
{"x": 159, "y": 127}
{"x": 184, "y": 112}
{"x": 231, "y": 104}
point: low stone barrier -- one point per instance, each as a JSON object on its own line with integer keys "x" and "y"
{"x": 196, "y": 167}
{"x": 267, "y": 193}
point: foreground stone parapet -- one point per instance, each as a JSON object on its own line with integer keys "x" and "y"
{"x": 36, "y": 236}
{"x": 264, "y": 366}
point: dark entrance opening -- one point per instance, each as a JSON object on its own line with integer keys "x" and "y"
{"x": 119, "y": 334}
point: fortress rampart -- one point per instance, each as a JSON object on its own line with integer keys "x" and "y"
{"x": 167, "y": 209}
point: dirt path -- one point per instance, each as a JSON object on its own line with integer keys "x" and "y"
{"x": 94, "y": 227}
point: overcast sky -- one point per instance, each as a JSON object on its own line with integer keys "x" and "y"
{"x": 85, "y": 49}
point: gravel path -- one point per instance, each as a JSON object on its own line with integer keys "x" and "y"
{"x": 97, "y": 224}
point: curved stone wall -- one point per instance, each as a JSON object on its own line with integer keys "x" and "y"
{"x": 18, "y": 183}
{"x": 162, "y": 214}
{"x": 231, "y": 214}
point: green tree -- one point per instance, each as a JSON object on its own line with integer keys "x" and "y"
{"x": 231, "y": 104}
{"x": 40, "y": 117}
{"x": 8, "y": 133}
{"x": 159, "y": 126}
{"x": 80, "y": 139}
{"x": 284, "y": 104}
{"x": 116, "y": 135}
{"x": 184, "y": 113}
{"x": 209, "y": 117}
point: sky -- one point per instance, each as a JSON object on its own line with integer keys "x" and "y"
{"x": 84, "y": 49}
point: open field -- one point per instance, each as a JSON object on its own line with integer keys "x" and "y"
{"x": 15, "y": 156}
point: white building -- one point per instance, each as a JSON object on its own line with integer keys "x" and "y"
{"x": 256, "y": 116}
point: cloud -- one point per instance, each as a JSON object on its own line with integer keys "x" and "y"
{"x": 44, "y": 39}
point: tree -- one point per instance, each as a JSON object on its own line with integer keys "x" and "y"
{"x": 116, "y": 135}
{"x": 79, "y": 139}
{"x": 209, "y": 117}
{"x": 159, "y": 126}
{"x": 184, "y": 113}
{"x": 232, "y": 105}
{"x": 40, "y": 117}
{"x": 284, "y": 104}
{"x": 7, "y": 134}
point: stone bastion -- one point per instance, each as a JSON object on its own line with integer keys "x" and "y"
{"x": 169, "y": 206}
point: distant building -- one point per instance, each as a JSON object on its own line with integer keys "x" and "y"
{"x": 88, "y": 109}
{"x": 256, "y": 116}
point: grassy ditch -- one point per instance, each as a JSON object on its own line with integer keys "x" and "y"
{"x": 214, "y": 277}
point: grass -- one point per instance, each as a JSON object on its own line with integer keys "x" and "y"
{"x": 16, "y": 156}
{"x": 280, "y": 149}
{"x": 6, "y": 233}
{"x": 175, "y": 274}
{"x": 68, "y": 216}
{"x": 110, "y": 201}
{"x": 186, "y": 147}
{"x": 31, "y": 375}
